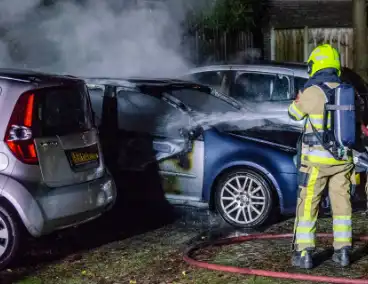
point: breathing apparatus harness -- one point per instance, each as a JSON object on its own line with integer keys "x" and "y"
{"x": 328, "y": 138}
{"x": 339, "y": 105}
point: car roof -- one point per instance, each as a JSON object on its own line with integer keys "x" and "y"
{"x": 28, "y": 75}
{"x": 148, "y": 84}
{"x": 273, "y": 66}
{"x": 297, "y": 68}
{"x": 262, "y": 63}
{"x": 142, "y": 81}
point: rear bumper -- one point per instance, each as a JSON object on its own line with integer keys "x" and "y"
{"x": 48, "y": 209}
{"x": 68, "y": 206}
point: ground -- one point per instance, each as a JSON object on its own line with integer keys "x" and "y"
{"x": 143, "y": 242}
{"x": 71, "y": 257}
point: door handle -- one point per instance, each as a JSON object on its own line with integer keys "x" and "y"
{"x": 167, "y": 149}
{"x": 162, "y": 146}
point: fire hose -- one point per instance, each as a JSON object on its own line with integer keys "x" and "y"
{"x": 265, "y": 273}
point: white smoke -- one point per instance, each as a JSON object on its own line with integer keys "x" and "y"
{"x": 94, "y": 37}
{"x": 107, "y": 39}
{"x": 234, "y": 120}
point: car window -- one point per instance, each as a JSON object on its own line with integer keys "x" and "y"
{"x": 299, "y": 83}
{"x": 96, "y": 96}
{"x": 361, "y": 91}
{"x": 64, "y": 110}
{"x": 261, "y": 87}
{"x": 353, "y": 78}
{"x": 219, "y": 80}
{"x": 143, "y": 113}
{"x": 347, "y": 77}
{"x": 211, "y": 78}
{"x": 201, "y": 101}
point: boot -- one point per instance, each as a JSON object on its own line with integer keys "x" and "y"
{"x": 342, "y": 256}
{"x": 302, "y": 259}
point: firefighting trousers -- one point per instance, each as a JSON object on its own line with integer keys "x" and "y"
{"x": 313, "y": 179}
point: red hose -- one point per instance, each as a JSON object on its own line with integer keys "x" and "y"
{"x": 266, "y": 273}
{"x": 364, "y": 130}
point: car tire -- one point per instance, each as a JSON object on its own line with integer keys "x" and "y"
{"x": 10, "y": 237}
{"x": 253, "y": 205}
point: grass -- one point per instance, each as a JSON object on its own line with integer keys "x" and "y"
{"x": 156, "y": 257}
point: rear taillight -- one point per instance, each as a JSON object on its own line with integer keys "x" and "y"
{"x": 19, "y": 133}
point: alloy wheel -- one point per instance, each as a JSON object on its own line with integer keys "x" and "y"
{"x": 4, "y": 237}
{"x": 243, "y": 199}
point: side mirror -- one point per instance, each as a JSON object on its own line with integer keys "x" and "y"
{"x": 189, "y": 136}
{"x": 192, "y": 133}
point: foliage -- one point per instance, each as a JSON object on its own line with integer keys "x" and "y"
{"x": 227, "y": 15}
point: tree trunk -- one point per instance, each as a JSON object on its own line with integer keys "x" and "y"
{"x": 360, "y": 38}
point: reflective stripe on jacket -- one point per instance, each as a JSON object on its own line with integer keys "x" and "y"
{"x": 310, "y": 105}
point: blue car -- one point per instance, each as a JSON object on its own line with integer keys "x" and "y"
{"x": 207, "y": 154}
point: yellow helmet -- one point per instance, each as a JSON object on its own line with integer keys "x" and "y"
{"x": 322, "y": 57}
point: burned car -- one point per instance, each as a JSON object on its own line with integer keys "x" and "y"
{"x": 244, "y": 174}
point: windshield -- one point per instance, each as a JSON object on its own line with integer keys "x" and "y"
{"x": 205, "y": 102}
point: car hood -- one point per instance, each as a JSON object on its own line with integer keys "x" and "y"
{"x": 284, "y": 137}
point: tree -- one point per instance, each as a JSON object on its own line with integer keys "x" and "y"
{"x": 219, "y": 25}
{"x": 360, "y": 37}
{"x": 228, "y": 15}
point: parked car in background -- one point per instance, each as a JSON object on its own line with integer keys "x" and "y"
{"x": 246, "y": 174}
{"x": 52, "y": 172}
{"x": 268, "y": 87}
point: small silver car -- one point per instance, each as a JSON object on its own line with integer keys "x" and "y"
{"x": 52, "y": 172}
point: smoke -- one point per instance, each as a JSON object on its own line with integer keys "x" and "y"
{"x": 94, "y": 37}
{"x": 109, "y": 39}
{"x": 241, "y": 120}
{"x": 217, "y": 110}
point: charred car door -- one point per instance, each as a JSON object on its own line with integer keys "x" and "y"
{"x": 153, "y": 131}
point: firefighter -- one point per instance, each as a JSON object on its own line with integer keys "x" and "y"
{"x": 317, "y": 166}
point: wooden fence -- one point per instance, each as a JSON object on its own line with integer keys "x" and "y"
{"x": 213, "y": 46}
{"x": 296, "y": 44}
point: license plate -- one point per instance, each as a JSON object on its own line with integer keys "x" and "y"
{"x": 80, "y": 157}
{"x": 83, "y": 158}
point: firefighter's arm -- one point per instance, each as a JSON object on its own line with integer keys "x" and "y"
{"x": 304, "y": 104}
{"x": 294, "y": 111}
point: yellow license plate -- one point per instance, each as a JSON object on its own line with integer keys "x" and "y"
{"x": 81, "y": 158}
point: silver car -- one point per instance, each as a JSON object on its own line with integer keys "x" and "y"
{"x": 266, "y": 87}
{"x": 52, "y": 172}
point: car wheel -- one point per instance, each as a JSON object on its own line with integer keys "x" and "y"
{"x": 10, "y": 237}
{"x": 244, "y": 198}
